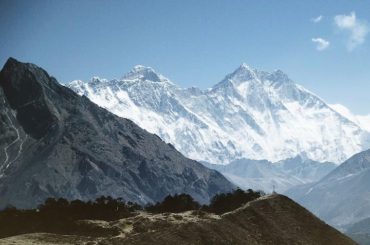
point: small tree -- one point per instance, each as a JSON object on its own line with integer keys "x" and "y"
{"x": 175, "y": 204}
{"x": 222, "y": 203}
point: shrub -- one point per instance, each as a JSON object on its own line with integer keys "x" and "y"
{"x": 222, "y": 203}
{"x": 174, "y": 204}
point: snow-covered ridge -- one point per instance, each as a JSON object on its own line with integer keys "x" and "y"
{"x": 362, "y": 120}
{"x": 249, "y": 114}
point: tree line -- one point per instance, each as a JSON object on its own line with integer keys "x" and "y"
{"x": 60, "y": 215}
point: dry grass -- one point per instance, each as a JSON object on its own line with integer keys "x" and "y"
{"x": 273, "y": 219}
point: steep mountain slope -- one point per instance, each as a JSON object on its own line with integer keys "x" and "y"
{"x": 249, "y": 114}
{"x": 265, "y": 175}
{"x": 360, "y": 232}
{"x": 270, "y": 220}
{"x": 343, "y": 196}
{"x": 361, "y": 120}
{"x": 55, "y": 143}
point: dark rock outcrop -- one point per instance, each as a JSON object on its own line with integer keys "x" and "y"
{"x": 54, "y": 143}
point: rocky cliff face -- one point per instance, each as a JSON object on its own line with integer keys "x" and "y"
{"x": 55, "y": 143}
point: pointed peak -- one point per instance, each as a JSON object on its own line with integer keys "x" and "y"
{"x": 245, "y": 66}
{"x": 144, "y": 73}
{"x": 139, "y": 68}
{"x": 12, "y": 63}
{"x": 14, "y": 67}
{"x": 11, "y": 60}
{"x": 75, "y": 83}
{"x": 97, "y": 80}
{"x": 240, "y": 75}
{"x": 243, "y": 73}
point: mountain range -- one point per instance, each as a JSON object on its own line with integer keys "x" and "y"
{"x": 259, "y": 129}
{"x": 279, "y": 176}
{"x": 55, "y": 143}
{"x": 250, "y": 114}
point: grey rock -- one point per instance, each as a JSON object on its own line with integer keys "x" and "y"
{"x": 54, "y": 143}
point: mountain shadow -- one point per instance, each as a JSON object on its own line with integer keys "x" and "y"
{"x": 55, "y": 143}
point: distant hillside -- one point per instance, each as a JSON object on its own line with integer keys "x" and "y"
{"x": 264, "y": 175}
{"x": 342, "y": 197}
{"x": 360, "y": 232}
{"x": 272, "y": 219}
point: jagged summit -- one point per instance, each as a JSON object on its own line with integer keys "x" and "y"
{"x": 9, "y": 62}
{"x": 244, "y": 65}
{"x": 12, "y": 62}
{"x": 278, "y": 76}
{"x": 29, "y": 96}
{"x": 142, "y": 67}
{"x": 242, "y": 73}
{"x": 97, "y": 79}
{"x": 246, "y": 74}
{"x": 144, "y": 73}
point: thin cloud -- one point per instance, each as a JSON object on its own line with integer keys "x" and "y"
{"x": 321, "y": 44}
{"x": 356, "y": 28}
{"x": 317, "y": 19}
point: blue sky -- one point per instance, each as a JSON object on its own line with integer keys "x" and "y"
{"x": 196, "y": 43}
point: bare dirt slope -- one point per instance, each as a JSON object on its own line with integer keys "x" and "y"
{"x": 273, "y": 219}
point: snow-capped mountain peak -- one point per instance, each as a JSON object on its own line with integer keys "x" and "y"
{"x": 246, "y": 80}
{"x": 97, "y": 80}
{"x": 144, "y": 73}
{"x": 249, "y": 114}
{"x": 242, "y": 74}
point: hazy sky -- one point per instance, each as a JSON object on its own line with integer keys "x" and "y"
{"x": 323, "y": 45}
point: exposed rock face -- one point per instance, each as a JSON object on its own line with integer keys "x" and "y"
{"x": 269, "y": 220}
{"x": 54, "y": 143}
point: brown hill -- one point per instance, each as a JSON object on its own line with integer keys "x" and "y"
{"x": 273, "y": 219}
